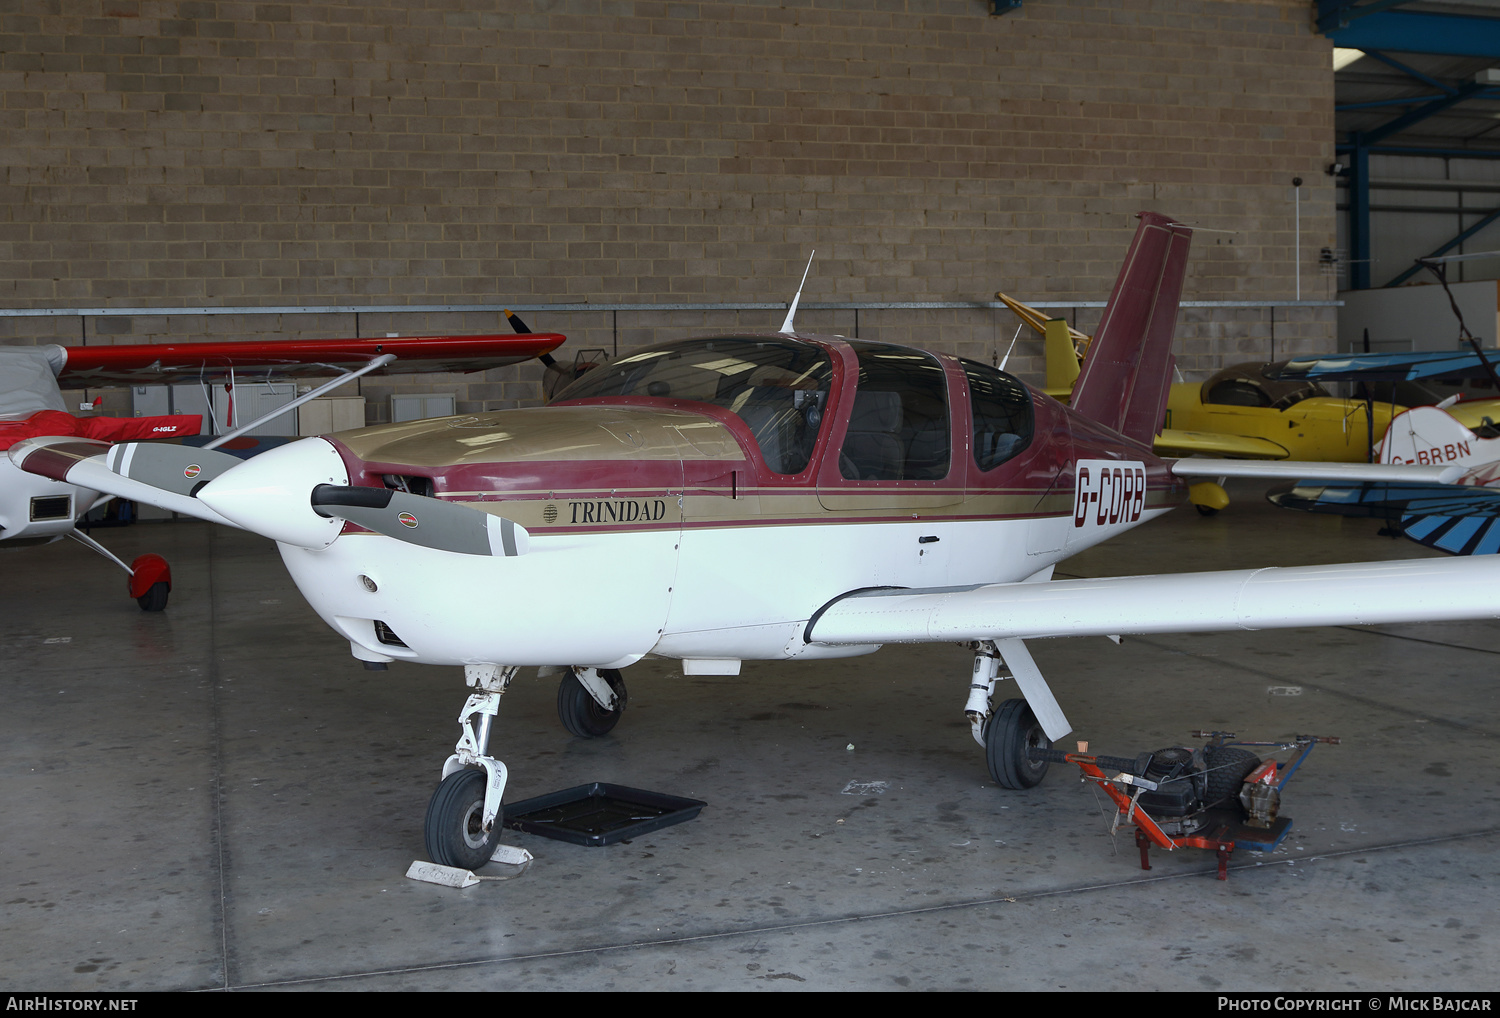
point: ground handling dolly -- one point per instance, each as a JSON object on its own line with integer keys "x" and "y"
{"x": 1218, "y": 797}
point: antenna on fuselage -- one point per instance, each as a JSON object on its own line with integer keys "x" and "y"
{"x": 791, "y": 312}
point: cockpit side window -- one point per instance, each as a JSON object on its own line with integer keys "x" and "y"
{"x": 1237, "y": 392}
{"x": 1002, "y": 413}
{"x": 779, "y": 388}
{"x": 898, "y": 428}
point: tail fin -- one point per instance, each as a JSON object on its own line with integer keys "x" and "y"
{"x": 1426, "y": 435}
{"x": 1128, "y": 371}
{"x": 1061, "y": 358}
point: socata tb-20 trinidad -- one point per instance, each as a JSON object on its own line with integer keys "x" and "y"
{"x": 772, "y": 497}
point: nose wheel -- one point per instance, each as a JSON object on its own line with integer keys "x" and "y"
{"x": 455, "y": 830}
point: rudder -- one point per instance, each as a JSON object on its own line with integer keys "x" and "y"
{"x": 1128, "y": 371}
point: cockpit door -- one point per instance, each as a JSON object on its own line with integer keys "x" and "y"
{"x": 897, "y": 448}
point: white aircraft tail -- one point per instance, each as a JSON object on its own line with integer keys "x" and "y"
{"x": 1427, "y": 436}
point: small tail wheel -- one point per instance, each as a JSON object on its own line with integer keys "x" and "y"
{"x": 155, "y": 599}
{"x": 580, "y": 713}
{"x": 1012, "y": 730}
{"x": 454, "y": 830}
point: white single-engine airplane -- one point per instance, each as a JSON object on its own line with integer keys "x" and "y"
{"x": 39, "y": 510}
{"x": 770, "y": 497}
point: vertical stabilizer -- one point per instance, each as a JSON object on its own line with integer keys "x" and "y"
{"x": 1425, "y": 435}
{"x": 1128, "y": 370}
{"x": 1061, "y": 358}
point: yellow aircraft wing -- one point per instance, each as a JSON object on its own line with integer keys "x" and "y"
{"x": 1172, "y": 442}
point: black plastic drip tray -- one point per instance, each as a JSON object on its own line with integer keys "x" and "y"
{"x": 599, "y": 814}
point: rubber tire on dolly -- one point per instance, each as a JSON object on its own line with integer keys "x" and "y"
{"x": 1012, "y": 730}
{"x": 580, "y": 713}
{"x": 455, "y": 814}
{"x": 1228, "y": 767}
{"x": 155, "y": 599}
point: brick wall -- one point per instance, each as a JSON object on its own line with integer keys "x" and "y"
{"x": 168, "y": 152}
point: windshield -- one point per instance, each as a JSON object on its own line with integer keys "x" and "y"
{"x": 778, "y": 387}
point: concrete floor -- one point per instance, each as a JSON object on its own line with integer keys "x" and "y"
{"x": 219, "y": 797}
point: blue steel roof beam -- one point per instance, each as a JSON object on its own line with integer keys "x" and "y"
{"x": 1465, "y": 235}
{"x": 1377, "y": 103}
{"x": 1334, "y": 14}
{"x": 1410, "y": 101}
{"x": 1454, "y": 35}
{"x": 1410, "y": 71}
{"x": 1401, "y": 123}
{"x": 1417, "y": 150}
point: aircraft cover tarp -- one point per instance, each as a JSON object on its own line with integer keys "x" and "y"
{"x": 28, "y": 380}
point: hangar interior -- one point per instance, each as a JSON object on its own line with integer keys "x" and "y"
{"x": 181, "y": 171}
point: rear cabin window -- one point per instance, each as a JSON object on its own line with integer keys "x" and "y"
{"x": 898, "y": 428}
{"x": 779, "y": 388}
{"x": 1002, "y": 413}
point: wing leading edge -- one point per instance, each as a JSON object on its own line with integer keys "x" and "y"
{"x": 1360, "y": 593}
{"x": 161, "y": 363}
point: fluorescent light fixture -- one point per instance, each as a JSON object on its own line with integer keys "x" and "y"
{"x": 1342, "y": 58}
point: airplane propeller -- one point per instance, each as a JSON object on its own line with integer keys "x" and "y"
{"x": 557, "y": 375}
{"x": 297, "y": 494}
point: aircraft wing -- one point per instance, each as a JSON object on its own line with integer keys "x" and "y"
{"x": 164, "y": 363}
{"x": 1296, "y": 470}
{"x": 1456, "y": 518}
{"x": 1382, "y": 367}
{"x": 1173, "y": 442}
{"x": 1361, "y": 593}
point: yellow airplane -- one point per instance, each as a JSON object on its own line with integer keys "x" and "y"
{"x": 1238, "y": 413}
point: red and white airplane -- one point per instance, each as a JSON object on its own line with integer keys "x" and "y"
{"x": 36, "y": 509}
{"x": 770, "y": 497}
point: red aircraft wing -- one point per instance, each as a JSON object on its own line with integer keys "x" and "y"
{"x": 164, "y": 363}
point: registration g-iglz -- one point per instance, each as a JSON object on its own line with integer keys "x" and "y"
{"x": 1109, "y": 492}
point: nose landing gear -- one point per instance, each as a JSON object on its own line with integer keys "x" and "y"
{"x": 464, "y": 816}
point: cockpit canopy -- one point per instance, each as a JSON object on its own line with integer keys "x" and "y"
{"x": 899, "y": 425}
{"x": 1248, "y": 385}
{"x": 778, "y": 387}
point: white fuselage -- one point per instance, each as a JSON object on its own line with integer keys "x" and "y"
{"x": 34, "y": 507}
{"x": 724, "y": 594}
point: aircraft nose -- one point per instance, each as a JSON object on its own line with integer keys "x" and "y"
{"x": 271, "y": 494}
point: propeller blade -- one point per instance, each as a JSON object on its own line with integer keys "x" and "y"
{"x": 179, "y": 469}
{"x": 516, "y": 323}
{"x": 417, "y": 519}
{"x": 83, "y": 462}
{"x": 522, "y": 329}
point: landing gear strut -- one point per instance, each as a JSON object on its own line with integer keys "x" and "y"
{"x": 464, "y": 817}
{"x": 1007, "y": 734}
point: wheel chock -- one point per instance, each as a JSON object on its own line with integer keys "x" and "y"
{"x": 517, "y": 859}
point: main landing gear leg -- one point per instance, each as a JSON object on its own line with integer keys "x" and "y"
{"x": 150, "y": 576}
{"x": 464, "y": 817}
{"x": 1009, "y": 732}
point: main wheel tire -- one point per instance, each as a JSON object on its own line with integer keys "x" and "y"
{"x": 1206, "y": 510}
{"x": 1012, "y": 730}
{"x": 155, "y": 599}
{"x": 1228, "y": 767}
{"x": 580, "y": 713}
{"x": 454, "y": 829}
